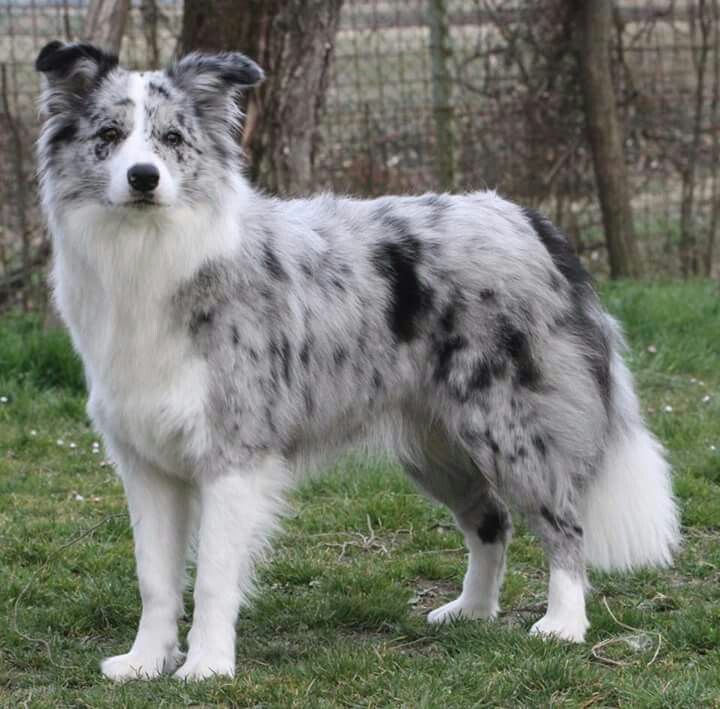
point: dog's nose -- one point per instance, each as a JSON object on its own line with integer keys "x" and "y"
{"x": 143, "y": 177}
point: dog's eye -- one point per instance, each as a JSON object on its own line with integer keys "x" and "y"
{"x": 172, "y": 138}
{"x": 109, "y": 135}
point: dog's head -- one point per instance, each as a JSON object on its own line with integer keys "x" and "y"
{"x": 139, "y": 140}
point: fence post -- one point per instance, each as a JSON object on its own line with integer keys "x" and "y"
{"x": 444, "y": 162}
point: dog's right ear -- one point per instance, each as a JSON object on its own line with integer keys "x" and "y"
{"x": 71, "y": 71}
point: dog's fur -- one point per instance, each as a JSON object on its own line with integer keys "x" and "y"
{"x": 230, "y": 339}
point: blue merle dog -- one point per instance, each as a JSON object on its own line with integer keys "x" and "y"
{"x": 232, "y": 340}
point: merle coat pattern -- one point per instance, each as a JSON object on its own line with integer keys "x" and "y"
{"x": 231, "y": 339}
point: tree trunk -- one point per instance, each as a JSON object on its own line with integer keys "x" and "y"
{"x": 440, "y": 54}
{"x": 605, "y": 136}
{"x": 293, "y": 41}
{"x": 105, "y": 23}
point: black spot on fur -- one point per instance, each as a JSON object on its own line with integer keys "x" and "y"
{"x": 481, "y": 377}
{"x": 517, "y": 346}
{"x": 159, "y": 89}
{"x": 493, "y": 526}
{"x": 305, "y": 352}
{"x": 102, "y": 150}
{"x": 377, "y": 380}
{"x": 234, "y": 335}
{"x": 559, "y": 248}
{"x": 444, "y": 352}
{"x": 522, "y": 452}
{"x": 437, "y": 205}
{"x": 491, "y": 441}
{"x": 582, "y": 325}
{"x": 308, "y": 400}
{"x": 272, "y": 263}
{"x": 200, "y": 319}
{"x": 487, "y": 294}
{"x": 340, "y": 355}
{"x": 448, "y": 318}
{"x": 540, "y": 445}
{"x": 397, "y": 262}
{"x": 270, "y": 421}
{"x": 59, "y": 59}
{"x": 65, "y": 134}
{"x": 559, "y": 524}
{"x": 285, "y": 357}
{"x": 550, "y": 518}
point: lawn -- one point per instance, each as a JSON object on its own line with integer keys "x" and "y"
{"x": 339, "y": 618}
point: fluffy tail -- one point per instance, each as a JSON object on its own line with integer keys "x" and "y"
{"x": 629, "y": 513}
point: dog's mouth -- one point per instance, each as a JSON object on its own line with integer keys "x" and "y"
{"x": 142, "y": 203}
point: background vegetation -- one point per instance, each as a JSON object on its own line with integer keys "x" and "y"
{"x": 339, "y": 620}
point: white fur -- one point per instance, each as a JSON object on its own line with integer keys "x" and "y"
{"x": 238, "y": 511}
{"x": 628, "y": 511}
{"x": 481, "y": 586}
{"x": 565, "y": 618}
{"x": 138, "y": 150}
{"x": 160, "y": 515}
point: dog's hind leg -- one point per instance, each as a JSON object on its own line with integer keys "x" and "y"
{"x": 159, "y": 512}
{"x": 562, "y": 538}
{"x": 538, "y": 480}
{"x": 486, "y": 527}
{"x": 446, "y": 472}
{"x": 239, "y": 510}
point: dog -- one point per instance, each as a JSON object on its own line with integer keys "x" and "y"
{"x": 232, "y": 340}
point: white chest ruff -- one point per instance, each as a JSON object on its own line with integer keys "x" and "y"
{"x": 156, "y": 409}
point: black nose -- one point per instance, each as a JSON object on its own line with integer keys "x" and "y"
{"x": 143, "y": 177}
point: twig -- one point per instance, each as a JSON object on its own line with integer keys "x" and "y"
{"x": 34, "y": 577}
{"x": 622, "y": 638}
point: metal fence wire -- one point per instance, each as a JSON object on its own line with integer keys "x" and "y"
{"x": 442, "y": 94}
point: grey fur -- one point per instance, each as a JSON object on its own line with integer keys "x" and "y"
{"x": 460, "y": 332}
{"x": 371, "y": 310}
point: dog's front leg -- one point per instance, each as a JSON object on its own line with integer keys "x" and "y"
{"x": 238, "y": 511}
{"x": 159, "y": 513}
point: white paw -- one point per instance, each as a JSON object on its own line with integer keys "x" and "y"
{"x": 460, "y": 608}
{"x": 570, "y": 629}
{"x": 137, "y": 665}
{"x": 203, "y": 666}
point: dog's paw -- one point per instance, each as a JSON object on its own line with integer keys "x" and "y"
{"x": 204, "y": 666}
{"x": 570, "y": 629}
{"x": 459, "y": 608}
{"x": 137, "y": 665}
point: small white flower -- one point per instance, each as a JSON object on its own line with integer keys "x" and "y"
{"x": 33, "y": 432}
{"x": 3, "y": 400}
{"x": 78, "y": 497}
{"x": 713, "y": 448}
{"x": 95, "y": 450}
{"x": 693, "y": 380}
{"x": 668, "y": 409}
{"x": 95, "y": 444}
{"x": 706, "y": 398}
{"x": 72, "y": 445}
{"x": 60, "y": 442}
{"x": 652, "y": 349}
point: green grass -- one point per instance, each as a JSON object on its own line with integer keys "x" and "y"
{"x": 339, "y": 619}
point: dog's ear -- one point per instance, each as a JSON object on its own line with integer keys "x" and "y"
{"x": 211, "y": 78}
{"x": 71, "y": 70}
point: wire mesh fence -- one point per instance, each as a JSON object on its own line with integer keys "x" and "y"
{"x": 440, "y": 94}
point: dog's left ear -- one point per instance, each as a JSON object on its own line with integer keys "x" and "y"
{"x": 211, "y": 78}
